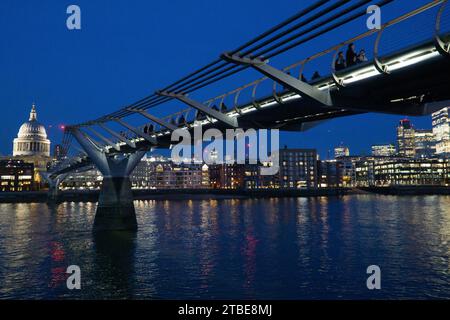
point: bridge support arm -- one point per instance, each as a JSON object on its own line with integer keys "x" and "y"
{"x": 118, "y": 136}
{"x": 155, "y": 119}
{"x": 97, "y": 156}
{"x": 102, "y": 137}
{"x": 140, "y": 133}
{"x": 302, "y": 88}
{"x": 219, "y": 116}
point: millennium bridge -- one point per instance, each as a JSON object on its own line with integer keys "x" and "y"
{"x": 410, "y": 77}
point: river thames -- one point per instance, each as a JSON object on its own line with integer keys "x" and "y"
{"x": 278, "y": 248}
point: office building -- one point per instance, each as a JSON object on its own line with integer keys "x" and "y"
{"x": 405, "y": 139}
{"x": 425, "y": 145}
{"x": 16, "y": 175}
{"x": 329, "y": 174}
{"x": 405, "y": 171}
{"x": 341, "y": 151}
{"x": 298, "y": 168}
{"x": 441, "y": 132}
{"x": 384, "y": 150}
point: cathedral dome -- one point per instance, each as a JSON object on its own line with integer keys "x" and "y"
{"x": 32, "y": 138}
{"x": 32, "y": 128}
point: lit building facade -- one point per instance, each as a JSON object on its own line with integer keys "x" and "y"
{"x": 16, "y": 175}
{"x": 83, "y": 180}
{"x": 58, "y": 152}
{"x": 384, "y": 150}
{"x": 425, "y": 145}
{"x": 346, "y": 168}
{"x": 229, "y": 176}
{"x": 391, "y": 172}
{"x": 329, "y": 174}
{"x": 340, "y": 152}
{"x": 405, "y": 139}
{"x": 441, "y": 132}
{"x": 150, "y": 173}
{"x": 298, "y": 168}
{"x": 181, "y": 176}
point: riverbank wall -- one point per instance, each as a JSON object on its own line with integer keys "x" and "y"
{"x": 408, "y": 190}
{"x": 174, "y": 194}
{"x": 92, "y": 195}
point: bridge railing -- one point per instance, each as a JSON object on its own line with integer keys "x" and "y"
{"x": 417, "y": 28}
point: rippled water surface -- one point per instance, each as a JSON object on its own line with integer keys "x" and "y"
{"x": 290, "y": 248}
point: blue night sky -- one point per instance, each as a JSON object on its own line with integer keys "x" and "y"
{"x": 128, "y": 49}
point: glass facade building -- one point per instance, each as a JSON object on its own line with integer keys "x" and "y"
{"x": 425, "y": 145}
{"x": 441, "y": 131}
{"x": 392, "y": 172}
{"x": 384, "y": 150}
{"x": 406, "y": 139}
{"x": 340, "y": 152}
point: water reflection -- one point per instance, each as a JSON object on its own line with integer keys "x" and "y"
{"x": 293, "y": 248}
{"x": 114, "y": 262}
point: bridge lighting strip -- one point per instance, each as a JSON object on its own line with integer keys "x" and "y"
{"x": 413, "y": 58}
{"x": 361, "y": 75}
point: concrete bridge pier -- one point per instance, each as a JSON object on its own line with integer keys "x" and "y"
{"x": 115, "y": 209}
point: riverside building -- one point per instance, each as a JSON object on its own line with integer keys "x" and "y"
{"x": 441, "y": 131}
{"x": 16, "y": 175}
{"x": 402, "y": 171}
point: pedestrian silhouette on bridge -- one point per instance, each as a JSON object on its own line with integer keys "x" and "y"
{"x": 362, "y": 57}
{"x": 351, "y": 55}
{"x": 340, "y": 62}
{"x": 316, "y": 75}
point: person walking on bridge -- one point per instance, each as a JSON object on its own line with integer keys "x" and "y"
{"x": 351, "y": 55}
{"x": 362, "y": 57}
{"x": 340, "y": 62}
